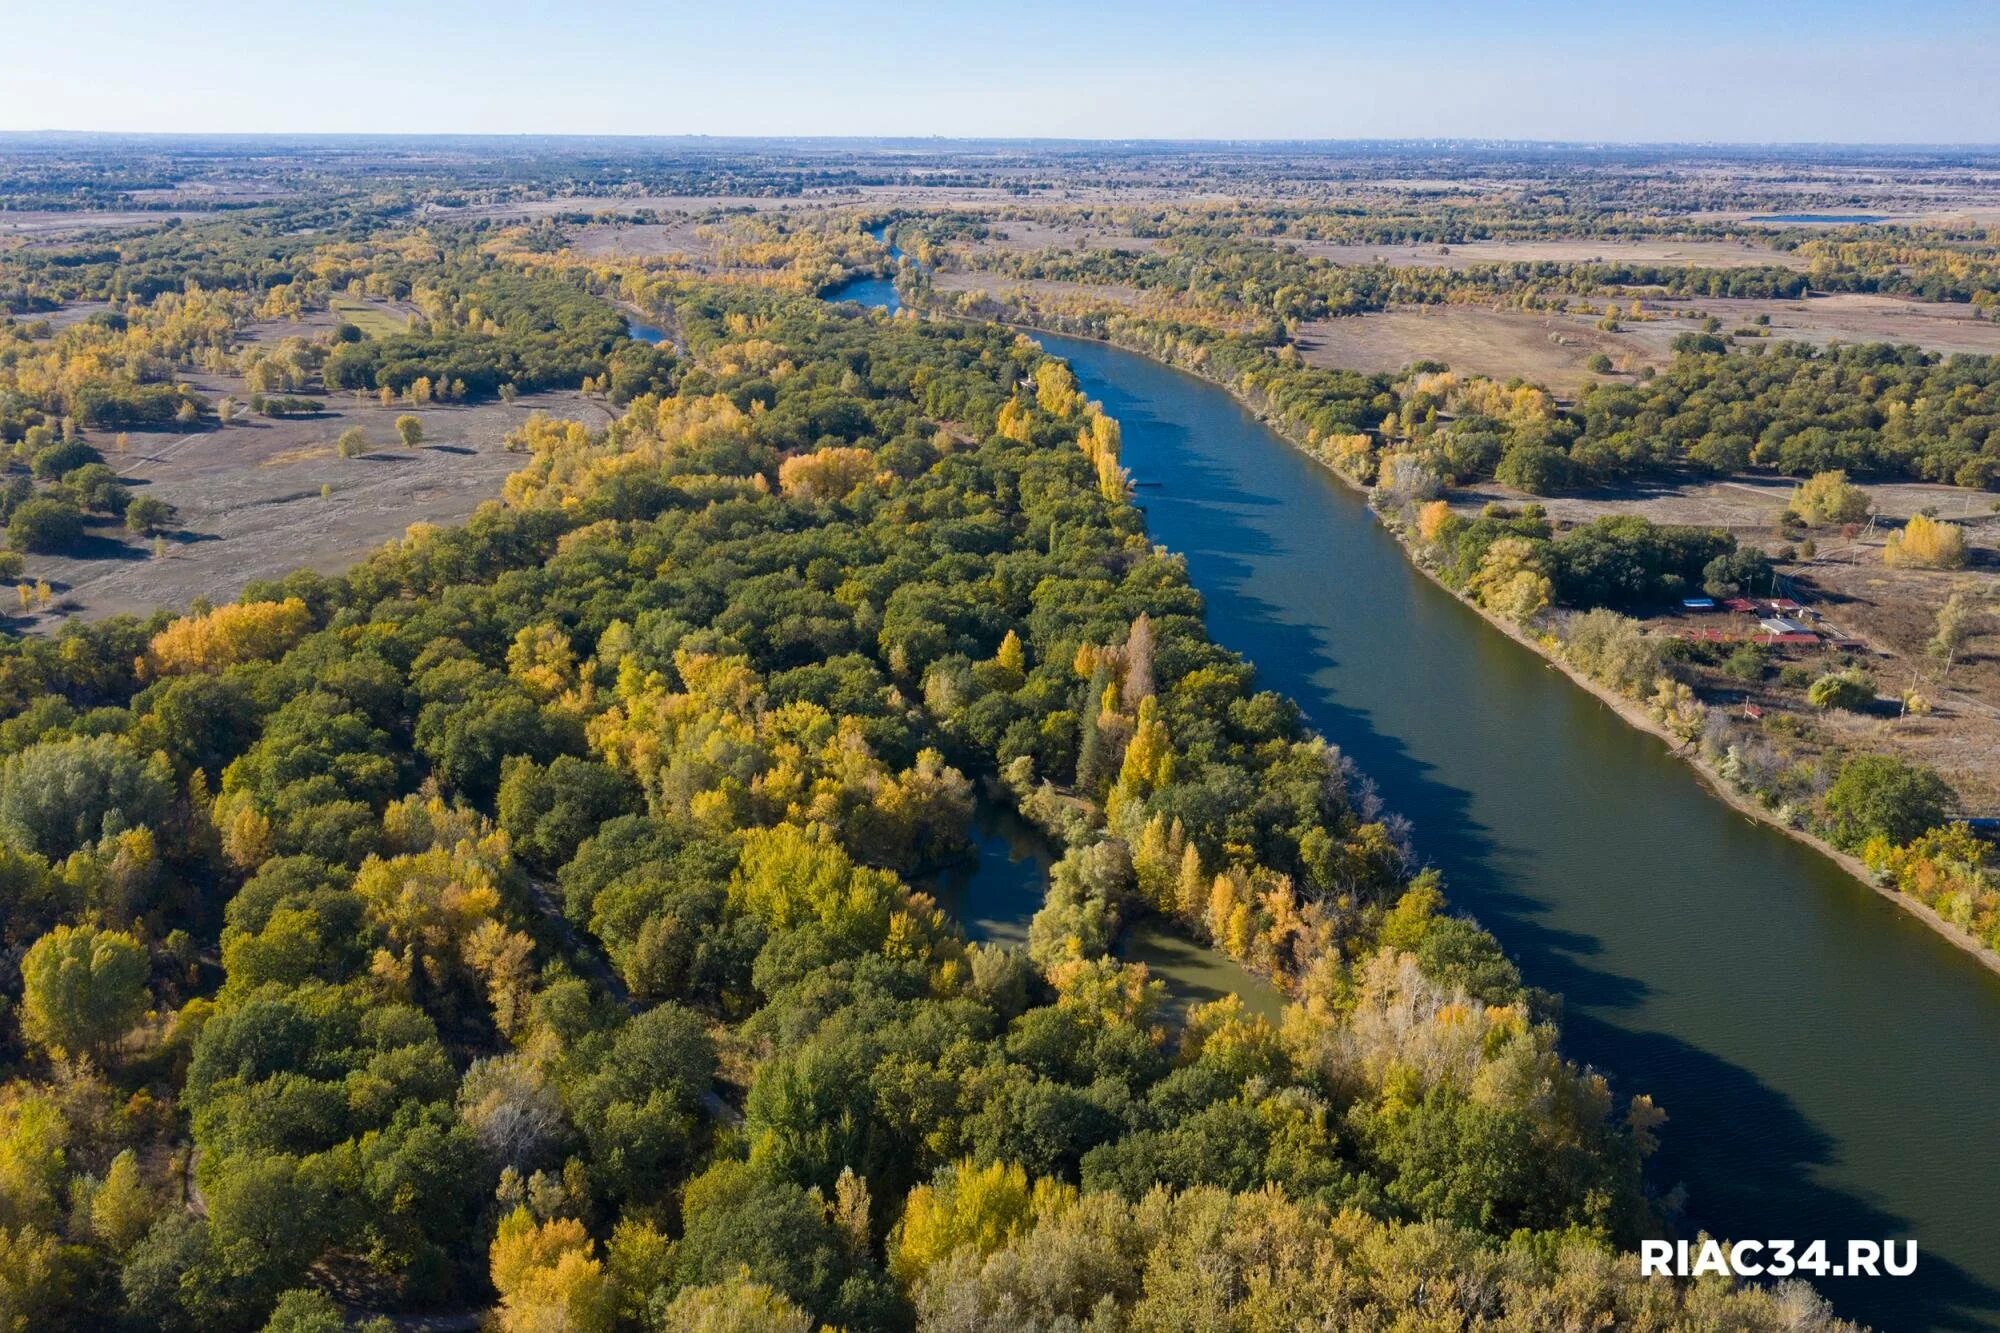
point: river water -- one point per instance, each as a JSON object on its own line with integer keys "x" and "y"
{"x": 1826, "y": 1062}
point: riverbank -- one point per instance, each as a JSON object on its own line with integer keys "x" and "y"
{"x": 1627, "y": 710}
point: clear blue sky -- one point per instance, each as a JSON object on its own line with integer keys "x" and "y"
{"x": 1743, "y": 70}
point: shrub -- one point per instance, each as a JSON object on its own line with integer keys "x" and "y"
{"x": 1747, "y": 662}
{"x": 1850, "y": 689}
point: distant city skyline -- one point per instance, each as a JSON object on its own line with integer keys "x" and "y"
{"x": 1540, "y": 70}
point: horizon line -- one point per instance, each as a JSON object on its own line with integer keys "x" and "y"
{"x": 1462, "y": 141}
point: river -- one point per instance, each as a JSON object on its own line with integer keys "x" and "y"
{"x": 1825, "y": 1059}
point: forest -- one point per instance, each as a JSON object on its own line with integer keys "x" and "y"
{"x": 529, "y": 918}
{"x": 1876, "y": 410}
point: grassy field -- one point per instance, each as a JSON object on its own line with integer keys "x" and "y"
{"x": 376, "y": 321}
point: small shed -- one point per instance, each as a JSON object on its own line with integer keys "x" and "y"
{"x": 1697, "y": 603}
{"x": 1780, "y": 625}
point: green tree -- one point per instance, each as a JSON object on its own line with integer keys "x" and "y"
{"x": 148, "y": 514}
{"x": 45, "y": 526}
{"x": 59, "y": 796}
{"x": 409, "y": 430}
{"x": 306, "y": 1310}
{"x": 1878, "y": 796}
{"x": 82, "y": 989}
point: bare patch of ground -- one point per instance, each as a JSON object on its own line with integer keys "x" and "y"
{"x": 1552, "y": 348}
{"x": 251, "y": 505}
{"x": 74, "y": 313}
{"x": 55, "y": 225}
{"x": 1020, "y": 235}
{"x": 642, "y": 240}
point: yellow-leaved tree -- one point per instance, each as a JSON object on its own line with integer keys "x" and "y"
{"x": 1926, "y": 543}
{"x": 549, "y": 1277}
{"x": 243, "y": 632}
{"x": 1510, "y": 581}
{"x": 1827, "y": 500}
{"x": 825, "y": 475}
{"x": 970, "y": 1207}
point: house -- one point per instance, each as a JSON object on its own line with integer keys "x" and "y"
{"x": 1780, "y": 625}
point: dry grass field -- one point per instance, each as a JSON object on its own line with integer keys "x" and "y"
{"x": 1553, "y": 349}
{"x": 1546, "y": 348}
{"x": 263, "y": 497}
{"x": 1842, "y": 317}
{"x": 1470, "y": 254}
{"x": 619, "y": 239}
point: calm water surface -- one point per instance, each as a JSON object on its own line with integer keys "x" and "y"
{"x": 1827, "y": 1063}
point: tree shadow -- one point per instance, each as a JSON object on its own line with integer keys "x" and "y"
{"x": 100, "y": 546}
{"x": 1764, "y": 1179}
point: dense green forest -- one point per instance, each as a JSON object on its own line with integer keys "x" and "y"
{"x": 526, "y": 918}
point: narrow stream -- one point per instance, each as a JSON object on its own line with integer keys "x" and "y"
{"x": 1826, "y": 1061}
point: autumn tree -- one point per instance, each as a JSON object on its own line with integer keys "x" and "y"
{"x": 1956, "y": 622}
{"x": 1926, "y": 543}
{"x": 826, "y": 474}
{"x": 239, "y": 632}
{"x": 1826, "y": 499}
{"x": 549, "y": 1276}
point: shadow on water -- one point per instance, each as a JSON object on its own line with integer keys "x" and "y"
{"x": 1825, "y": 1063}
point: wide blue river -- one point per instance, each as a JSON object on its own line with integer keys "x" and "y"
{"x": 1827, "y": 1063}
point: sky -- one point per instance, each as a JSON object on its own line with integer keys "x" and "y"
{"x": 1761, "y": 71}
